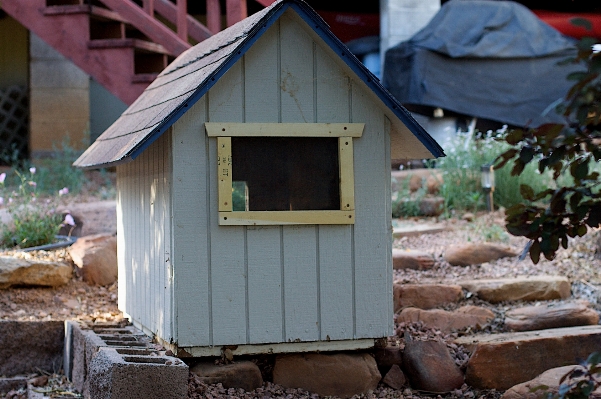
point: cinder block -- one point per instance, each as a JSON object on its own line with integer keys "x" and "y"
{"x": 115, "y": 361}
{"x": 115, "y": 375}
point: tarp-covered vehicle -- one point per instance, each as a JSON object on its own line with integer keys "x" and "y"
{"x": 487, "y": 59}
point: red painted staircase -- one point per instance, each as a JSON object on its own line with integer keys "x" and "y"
{"x": 122, "y": 44}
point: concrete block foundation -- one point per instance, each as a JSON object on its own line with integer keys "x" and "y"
{"x": 117, "y": 361}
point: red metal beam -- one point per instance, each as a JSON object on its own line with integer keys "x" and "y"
{"x": 213, "y": 15}
{"x": 182, "y": 24}
{"x": 149, "y": 7}
{"x": 69, "y": 34}
{"x": 236, "y": 11}
{"x": 152, "y": 28}
{"x": 196, "y": 30}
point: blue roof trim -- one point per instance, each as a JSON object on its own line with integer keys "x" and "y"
{"x": 252, "y": 37}
{"x": 317, "y": 23}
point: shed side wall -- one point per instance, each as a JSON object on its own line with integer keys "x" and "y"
{"x": 265, "y": 284}
{"x": 144, "y": 238}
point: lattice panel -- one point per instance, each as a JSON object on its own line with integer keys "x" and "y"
{"x": 14, "y": 116}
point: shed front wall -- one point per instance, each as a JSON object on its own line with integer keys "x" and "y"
{"x": 269, "y": 284}
{"x": 144, "y": 239}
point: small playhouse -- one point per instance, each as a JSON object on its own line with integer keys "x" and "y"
{"x": 253, "y": 192}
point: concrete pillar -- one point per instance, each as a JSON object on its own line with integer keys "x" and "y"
{"x": 59, "y": 100}
{"x": 401, "y": 19}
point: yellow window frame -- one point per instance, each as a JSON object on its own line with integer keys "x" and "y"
{"x": 345, "y": 132}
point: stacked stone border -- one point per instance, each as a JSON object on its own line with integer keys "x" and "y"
{"x": 116, "y": 361}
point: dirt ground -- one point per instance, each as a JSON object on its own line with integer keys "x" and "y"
{"x": 580, "y": 263}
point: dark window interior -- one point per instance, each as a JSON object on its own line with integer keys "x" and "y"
{"x": 287, "y": 173}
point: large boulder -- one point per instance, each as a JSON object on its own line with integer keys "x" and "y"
{"x": 17, "y": 271}
{"x": 551, "y": 315}
{"x": 242, "y": 374}
{"x": 429, "y": 366}
{"x": 476, "y": 253}
{"x": 425, "y": 296}
{"x": 500, "y": 361}
{"x": 338, "y": 374}
{"x": 524, "y": 288}
{"x": 96, "y": 258}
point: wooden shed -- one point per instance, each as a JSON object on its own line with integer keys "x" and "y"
{"x": 253, "y": 191}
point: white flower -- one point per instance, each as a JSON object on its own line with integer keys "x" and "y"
{"x": 63, "y": 191}
{"x": 69, "y": 220}
{"x": 2, "y": 177}
{"x": 32, "y": 170}
{"x": 1, "y": 201}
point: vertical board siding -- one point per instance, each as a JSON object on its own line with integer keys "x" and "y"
{"x": 300, "y": 283}
{"x": 300, "y": 268}
{"x": 191, "y": 232}
{"x": 238, "y": 285}
{"x": 373, "y": 247}
{"x": 332, "y": 98}
{"x": 264, "y": 285}
{"x": 144, "y": 238}
{"x": 228, "y": 256}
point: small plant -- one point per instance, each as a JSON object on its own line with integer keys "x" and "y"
{"x": 35, "y": 220}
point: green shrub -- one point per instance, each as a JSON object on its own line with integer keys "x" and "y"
{"x": 461, "y": 187}
{"x": 35, "y": 220}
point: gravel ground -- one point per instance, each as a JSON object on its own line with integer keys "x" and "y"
{"x": 579, "y": 263}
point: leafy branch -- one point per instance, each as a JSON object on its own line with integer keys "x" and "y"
{"x": 550, "y": 216}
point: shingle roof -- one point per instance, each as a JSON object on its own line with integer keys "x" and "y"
{"x": 195, "y": 71}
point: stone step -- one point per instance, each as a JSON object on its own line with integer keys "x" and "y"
{"x": 425, "y": 296}
{"x": 500, "y": 361}
{"x": 472, "y": 317}
{"x": 523, "y": 288}
{"x": 551, "y": 315}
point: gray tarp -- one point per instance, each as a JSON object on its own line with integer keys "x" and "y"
{"x": 489, "y": 59}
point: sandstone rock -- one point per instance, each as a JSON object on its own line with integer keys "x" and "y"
{"x": 97, "y": 217}
{"x": 414, "y": 179}
{"x": 31, "y": 345}
{"x": 395, "y": 378}
{"x": 429, "y": 366}
{"x": 500, "y": 361}
{"x": 551, "y": 315}
{"x": 96, "y": 258}
{"x": 431, "y": 206}
{"x": 526, "y": 288}
{"x": 425, "y": 296}
{"x": 242, "y": 374}
{"x": 476, "y": 253}
{"x": 338, "y": 374}
{"x": 468, "y": 216}
{"x": 388, "y": 357}
{"x": 550, "y": 378}
{"x": 474, "y": 317}
{"x": 19, "y": 271}
{"x": 410, "y": 259}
